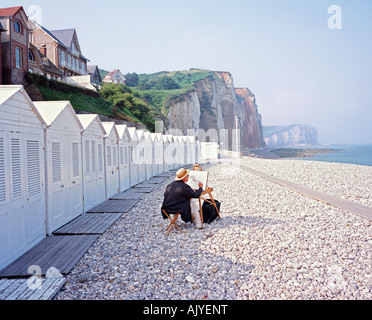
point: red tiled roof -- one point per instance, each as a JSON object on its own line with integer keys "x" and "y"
{"x": 6, "y": 12}
{"x": 111, "y": 74}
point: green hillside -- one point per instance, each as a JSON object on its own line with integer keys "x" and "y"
{"x": 115, "y": 101}
{"x": 159, "y": 88}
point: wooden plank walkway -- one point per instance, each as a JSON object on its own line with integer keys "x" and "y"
{"x": 130, "y": 194}
{"x": 145, "y": 185}
{"x": 55, "y": 251}
{"x": 143, "y": 189}
{"x": 89, "y": 224}
{"x": 19, "y": 289}
{"x": 355, "y": 208}
{"x": 156, "y": 180}
{"x": 114, "y": 206}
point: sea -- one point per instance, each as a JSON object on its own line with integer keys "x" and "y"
{"x": 354, "y": 154}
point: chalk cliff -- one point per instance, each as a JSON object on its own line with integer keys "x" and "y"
{"x": 214, "y": 103}
{"x": 287, "y": 136}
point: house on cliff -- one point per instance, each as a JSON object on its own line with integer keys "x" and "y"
{"x": 40, "y": 64}
{"x": 61, "y": 47}
{"x": 14, "y": 44}
{"x": 95, "y": 76}
{"x": 1, "y": 61}
{"x": 115, "y": 77}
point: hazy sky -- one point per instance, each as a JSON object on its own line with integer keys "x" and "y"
{"x": 300, "y": 70}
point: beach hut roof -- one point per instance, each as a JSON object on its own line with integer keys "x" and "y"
{"x": 110, "y": 128}
{"x": 87, "y": 119}
{"x": 140, "y": 134}
{"x": 133, "y": 133}
{"x": 191, "y": 139}
{"x": 156, "y": 137}
{"x": 123, "y": 131}
{"x": 50, "y": 110}
{"x": 146, "y": 135}
{"x": 7, "y": 92}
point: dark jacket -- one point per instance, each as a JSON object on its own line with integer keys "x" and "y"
{"x": 177, "y": 199}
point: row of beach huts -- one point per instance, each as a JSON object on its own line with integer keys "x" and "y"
{"x": 56, "y": 165}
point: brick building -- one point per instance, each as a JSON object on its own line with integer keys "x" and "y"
{"x": 40, "y": 64}
{"x": 61, "y": 47}
{"x": 14, "y": 44}
{"x": 1, "y": 61}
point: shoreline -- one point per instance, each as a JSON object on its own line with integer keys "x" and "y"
{"x": 350, "y": 154}
{"x": 271, "y": 243}
{"x": 289, "y": 152}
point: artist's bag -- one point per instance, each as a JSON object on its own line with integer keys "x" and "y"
{"x": 209, "y": 211}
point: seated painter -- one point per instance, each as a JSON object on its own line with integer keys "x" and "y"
{"x": 178, "y": 196}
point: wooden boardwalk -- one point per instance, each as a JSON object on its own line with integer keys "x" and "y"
{"x": 61, "y": 252}
{"x": 115, "y": 206}
{"x": 68, "y": 245}
{"x": 130, "y": 194}
{"x": 89, "y": 224}
{"x": 355, "y": 208}
{"x": 25, "y": 289}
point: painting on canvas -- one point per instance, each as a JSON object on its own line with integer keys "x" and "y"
{"x": 195, "y": 177}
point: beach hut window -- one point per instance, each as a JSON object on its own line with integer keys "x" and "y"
{"x": 93, "y": 156}
{"x": 109, "y": 162}
{"x": 75, "y": 160}
{"x": 16, "y": 167}
{"x": 126, "y": 160}
{"x": 121, "y": 155}
{"x": 2, "y": 171}
{"x": 100, "y": 154}
{"x": 33, "y": 167}
{"x": 56, "y": 161}
{"x": 87, "y": 157}
{"x": 114, "y": 156}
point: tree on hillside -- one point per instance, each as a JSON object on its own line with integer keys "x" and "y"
{"x": 122, "y": 98}
{"x": 132, "y": 79}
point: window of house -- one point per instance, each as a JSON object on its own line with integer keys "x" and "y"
{"x": 62, "y": 58}
{"x": 18, "y": 58}
{"x": 17, "y": 26}
{"x": 31, "y": 56}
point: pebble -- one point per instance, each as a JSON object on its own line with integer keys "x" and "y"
{"x": 271, "y": 243}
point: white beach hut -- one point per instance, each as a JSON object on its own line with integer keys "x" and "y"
{"x": 183, "y": 149}
{"x": 168, "y": 146}
{"x": 148, "y": 155}
{"x": 191, "y": 150}
{"x": 141, "y": 155}
{"x": 111, "y": 159}
{"x": 133, "y": 156}
{"x": 93, "y": 160}
{"x": 179, "y": 152}
{"x": 64, "y": 186}
{"x": 22, "y": 184}
{"x": 157, "y": 147}
{"x": 124, "y": 165}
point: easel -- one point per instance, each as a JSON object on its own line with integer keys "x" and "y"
{"x": 208, "y": 192}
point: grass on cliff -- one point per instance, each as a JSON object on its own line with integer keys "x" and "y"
{"x": 185, "y": 81}
{"x": 115, "y": 101}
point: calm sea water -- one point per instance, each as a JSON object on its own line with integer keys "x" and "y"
{"x": 354, "y": 154}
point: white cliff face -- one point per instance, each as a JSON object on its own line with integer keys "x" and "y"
{"x": 296, "y": 135}
{"x": 185, "y": 113}
{"x": 215, "y": 104}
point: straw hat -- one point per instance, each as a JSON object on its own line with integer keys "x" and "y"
{"x": 182, "y": 174}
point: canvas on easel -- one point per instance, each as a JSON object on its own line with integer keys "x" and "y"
{"x": 198, "y": 176}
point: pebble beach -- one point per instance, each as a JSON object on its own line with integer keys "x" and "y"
{"x": 271, "y": 243}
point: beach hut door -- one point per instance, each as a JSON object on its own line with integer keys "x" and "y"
{"x": 66, "y": 186}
